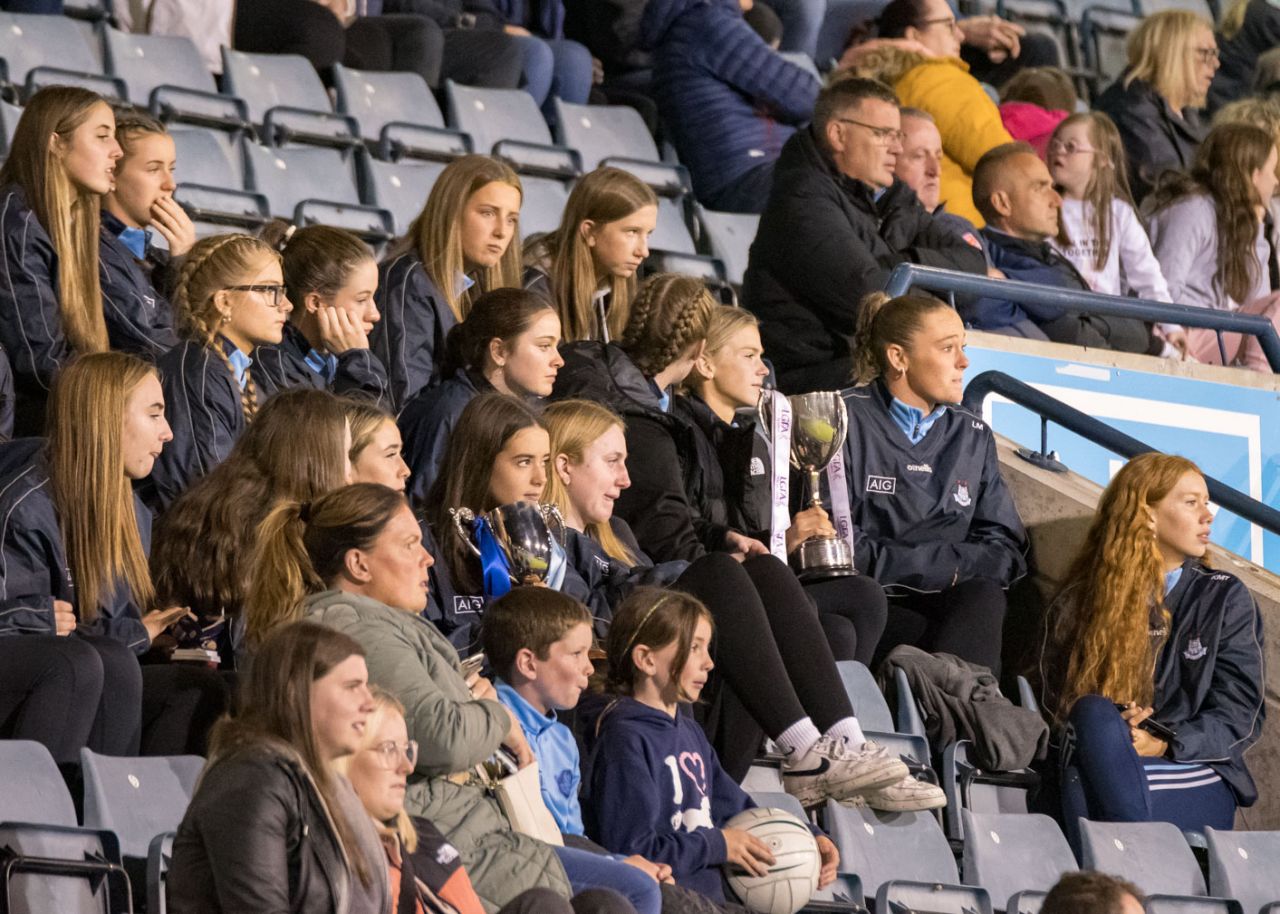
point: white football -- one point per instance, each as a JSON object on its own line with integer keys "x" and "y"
{"x": 793, "y": 878}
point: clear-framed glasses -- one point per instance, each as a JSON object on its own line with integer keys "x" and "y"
{"x": 948, "y": 21}
{"x": 391, "y": 753}
{"x": 885, "y": 136}
{"x": 1070, "y": 147}
{"x": 273, "y": 291}
{"x": 1207, "y": 55}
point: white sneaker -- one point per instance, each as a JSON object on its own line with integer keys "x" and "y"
{"x": 831, "y": 770}
{"x": 907, "y": 795}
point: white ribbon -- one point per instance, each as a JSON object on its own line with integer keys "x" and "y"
{"x": 779, "y": 472}
{"x": 838, "y": 499}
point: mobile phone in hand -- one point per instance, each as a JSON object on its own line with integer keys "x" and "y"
{"x": 471, "y": 665}
{"x": 1153, "y": 726}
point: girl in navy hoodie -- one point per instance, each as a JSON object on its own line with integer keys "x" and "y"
{"x": 61, "y": 161}
{"x": 655, "y": 786}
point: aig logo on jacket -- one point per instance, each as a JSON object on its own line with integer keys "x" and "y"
{"x": 467, "y": 605}
{"x": 883, "y": 485}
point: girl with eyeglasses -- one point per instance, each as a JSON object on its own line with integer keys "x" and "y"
{"x": 61, "y": 161}
{"x": 230, "y": 300}
{"x": 1156, "y": 102}
{"x": 1098, "y": 230}
{"x": 353, "y": 560}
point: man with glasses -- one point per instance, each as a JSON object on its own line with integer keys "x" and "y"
{"x": 1014, "y": 192}
{"x": 838, "y": 221}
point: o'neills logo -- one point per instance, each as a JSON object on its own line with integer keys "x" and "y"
{"x": 919, "y": 468}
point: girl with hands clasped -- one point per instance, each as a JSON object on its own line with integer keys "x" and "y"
{"x": 1152, "y": 664}
{"x": 655, "y": 786}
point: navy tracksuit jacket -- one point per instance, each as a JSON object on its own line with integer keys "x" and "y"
{"x": 930, "y": 515}
{"x": 416, "y": 319}
{"x": 138, "y": 314}
{"x": 284, "y": 366}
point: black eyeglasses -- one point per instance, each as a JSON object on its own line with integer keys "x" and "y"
{"x": 274, "y": 290}
{"x": 885, "y": 136}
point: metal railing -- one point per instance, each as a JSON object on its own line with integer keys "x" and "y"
{"x": 908, "y": 276}
{"x": 1053, "y": 410}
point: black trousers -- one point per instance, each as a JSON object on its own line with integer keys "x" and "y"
{"x": 966, "y": 620}
{"x": 852, "y": 613}
{"x": 70, "y": 691}
{"x": 771, "y": 654}
{"x": 180, "y": 704}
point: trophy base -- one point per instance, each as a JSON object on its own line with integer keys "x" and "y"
{"x": 821, "y": 558}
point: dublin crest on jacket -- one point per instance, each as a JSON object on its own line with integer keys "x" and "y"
{"x": 961, "y": 494}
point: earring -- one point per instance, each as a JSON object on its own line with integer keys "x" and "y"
{"x": 226, "y": 318}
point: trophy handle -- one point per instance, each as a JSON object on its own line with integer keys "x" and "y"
{"x": 550, "y": 513}
{"x": 461, "y": 517}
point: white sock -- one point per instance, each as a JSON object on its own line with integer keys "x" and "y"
{"x": 796, "y": 740}
{"x": 850, "y": 731}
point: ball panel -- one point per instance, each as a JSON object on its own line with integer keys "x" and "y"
{"x": 793, "y": 878}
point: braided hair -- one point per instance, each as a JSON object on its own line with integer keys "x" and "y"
{"x": 670, "y": 313}
{"x": 213, "y": 264}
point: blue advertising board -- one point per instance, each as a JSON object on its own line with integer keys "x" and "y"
{"x": 1232, "y": 432}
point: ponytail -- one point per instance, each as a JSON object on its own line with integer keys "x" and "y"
{"x": 282, "y": 574}
{"x": 502, "y": 314}
{"x": 883, "y": 322}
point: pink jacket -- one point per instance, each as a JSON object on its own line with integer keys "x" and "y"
{"x": 1030, "y": 123}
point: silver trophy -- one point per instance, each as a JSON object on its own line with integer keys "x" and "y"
{"x": 819, "y": 423}
{"x": 524, "y": 530}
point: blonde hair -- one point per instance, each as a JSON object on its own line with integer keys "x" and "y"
{"x": 669, "y": 314}
{"x": 1256, "y": 111}
{"x": 603, "y": 196}
{"x": 213, "y": 264}
{"x": 725, "y": 323}
{"x": 1160, "y": 53}
{"x": 364, "y": 418}
{"x": 401, "y": 826}
{"x": 92, "y": 495}
{"x": 70, "y": 214}
{"x": 573, "y": 426}
{"x": 1232, "y": 19}
{"x": 436, "y": 238}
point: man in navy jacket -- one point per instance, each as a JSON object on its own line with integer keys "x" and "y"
{"x": 1014, "y": 192}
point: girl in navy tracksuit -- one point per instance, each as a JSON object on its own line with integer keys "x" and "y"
{"x": 508, "y": 343}
{"x": 1147, "y": 630}
{"x": 331, "y": 278}
{"x": 60, "y": 163}
{"x": 230, "y": 300}
{"x": 655, "y": 786}
{"x": 929, "y": 514}
{"x": 137, "y": 278}
{"x": 75, "y": 592}
{"x": 588, "y": 265}
{"x": 466, "y": 240}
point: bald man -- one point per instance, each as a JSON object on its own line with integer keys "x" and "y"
{"x": 1014, "y": 192}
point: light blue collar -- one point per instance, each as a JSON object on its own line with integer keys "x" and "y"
{"x": 530, "y": 718}
{"x": 1171, "y": 580}
{"x": 322, "y": 364}
{"x": 239, "y": 365}
{"x": 913, "y": 422}
{"x": 136, "y": 240}
{"x": 664, "y": 396}
{"x": 462, "y": 283}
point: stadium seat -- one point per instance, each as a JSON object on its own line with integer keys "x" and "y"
{"x": 492, "y": 115}
{"x": 165, "y": 73}
{"x": 780, "y": 800}
{"x": 1013, "y": 854}
{"x": 543, "y": 204}
{"x": 397, "y": 112}
{"x": 401, "y": 188}
{"x": 1046, "y": 17}
{"x": 284, "y": 95}
{"x": 1103, "y": 32}
{"x": 92, "y": 10}
{"x": 971, "y": 787}
{"x": 729, "y": 237}
{"x": 873, "y": 713}
{"x": 840, "y": 19}
{"x": 1242, "y": 865}
{"x": 30, "y": 44}
{"x": 902, "y": 859}
{"x": 215, "y": 198}
{"x": 9, "y": 117}
{"x": 1206, "y": 8}
{"x": 1026, "y": 903}
{"x": 141, "y": 800}
{"x": 602, "y": 132}
{"x": 52, "y": 864}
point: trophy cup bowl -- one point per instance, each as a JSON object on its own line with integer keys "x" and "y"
{"x": 819, "y": 423}
{"x": 525, "y": 532}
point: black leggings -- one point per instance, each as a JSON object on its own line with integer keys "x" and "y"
{"x": 852, "y": 612}
{"x": 180, "y": 704}
{"x": 769, "y": 646}
{"x": 70, "y": 691}
{"x": 966, "y": 620}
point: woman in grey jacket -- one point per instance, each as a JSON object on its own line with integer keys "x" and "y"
{"x": 353, "y": 560}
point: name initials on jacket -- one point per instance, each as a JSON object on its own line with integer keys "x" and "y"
{"x": 885, "y": 485}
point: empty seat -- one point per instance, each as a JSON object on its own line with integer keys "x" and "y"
{"x": 284, "y": 94}
{"x": 600, "y": 132}
{"x": 38, "y": 820}
{"x": 491, "y": 115}
{"x": 1011, "y": 854}
{"x": 9, "y": 117}
{"x": 45, "y": 50}
{"x": 542, "y": 204}
{"x": 1242, "y": 865}
{"x": 208, "y": 157}
{"x": 401, "y": 188}
{"x": 968, "y": 786}
{"x": 901, "y": 858}
{"x": 165, "y": 73}
{"x": 729, "y": 235}
{"x": 289, "y": 176}
{"x": 1045, "y": 17}
{"x": 1103, "y": 32}
{"x": 141, "y": 800}
{"x": 212, "y": 185}
{"x": 378, "y": 99}
{"x": 780, "y": 800}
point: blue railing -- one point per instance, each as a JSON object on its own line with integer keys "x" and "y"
{"x": 908, "y": 276}
{"x": 1053, "y": 410}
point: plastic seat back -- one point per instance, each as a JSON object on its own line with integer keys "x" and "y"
{"x": 884, "y": 847}
{"x": 1242, "y": 865}
{"x": 1152, "y": 855}
{"x": 601, "y": 131}
{"x": 492, "y": 115}
{"x": 1009, "y": 854}
{"x": 137, "y": 798}
{"x": 401, "y": 188}
{"x": 730, "y": 236}
{"x": 378, "y": 99}
{"x": 267, "y": 81}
